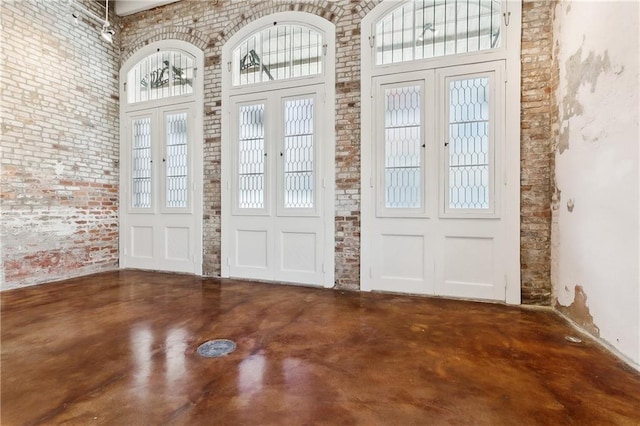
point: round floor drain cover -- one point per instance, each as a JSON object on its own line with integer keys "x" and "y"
{"x": 216, "y": 348}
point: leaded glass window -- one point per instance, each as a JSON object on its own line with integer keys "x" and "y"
{"x": 279, "y": 52}
{"x": 176, "y": 161}
{"x": 251, "y": 157}
{"x": 433, "y": 28}
{"x": 141, "y": 162}
{"x": 298, "y": 153}
{"x": 402, "y": 147}
{"x": 469, "y": 143}
{"x": 161, "y": 75}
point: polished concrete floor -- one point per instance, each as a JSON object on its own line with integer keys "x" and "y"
{"x": 119, "y": 348}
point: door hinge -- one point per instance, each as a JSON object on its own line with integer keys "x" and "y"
{"x": 324, "y": 49}
{"x": 195, "y": 72}
{"x": 228, "y": 261}
{"x": 229, "y": 66}
{"x": 371, "y": 181}
{"x": 323, "y": 270}
{"x": 371, "y": 273}
{"x": 371, "y": 40}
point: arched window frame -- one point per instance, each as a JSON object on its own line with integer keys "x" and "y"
{"x": 509, "y": 43}
{"x": 177, "y": 46}
{"x": 433, "y": 33}
{"x": 250, "y": 53}
{"x": 314, "y": 22}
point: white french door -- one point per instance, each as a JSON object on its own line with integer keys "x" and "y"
{"x": 433, "y": 214}
{"x": 161, "y": 196}
{"x": 275, "y": 220}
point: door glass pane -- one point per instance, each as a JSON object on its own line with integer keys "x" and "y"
{"x": 469, "y": 143}
{"x": 251, "y": 157}
{"x": 141, "y": 173}
{"x": 402, "y": 148}
{"x": 298, "y": 153}
{"x": 176, "y": 161}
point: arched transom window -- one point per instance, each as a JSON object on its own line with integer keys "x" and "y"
{"x": 433, "y": 28}
{"x": 161, "y": 75}
{"x": 278, "y": 52}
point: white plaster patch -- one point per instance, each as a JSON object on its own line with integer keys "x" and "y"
{"x": 59, "y": 168}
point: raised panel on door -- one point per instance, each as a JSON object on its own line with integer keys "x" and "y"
{"x": 469, "y": 262}
{"x": 251, "y": 253}
{"x": 404, "y": 261}
{"x": 298, "y": 251}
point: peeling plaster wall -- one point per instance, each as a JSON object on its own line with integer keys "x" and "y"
{"x": 59, "y": 166}
{"x": 595, "y": 235}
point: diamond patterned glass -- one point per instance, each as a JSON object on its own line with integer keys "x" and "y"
{"x": 278, "y": 52}
{"x": 402, "y": 147}
{"x": 176, "y": 161}
{"x": 251, "y": 157}
{"x": 141, "y": 159}
{"x": 433, "y": 28}
{"x": 469, "y": 143}
{"x": 298, "y": 153}
{"x": 160, "y": 75}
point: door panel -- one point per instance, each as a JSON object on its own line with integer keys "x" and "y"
{"x": 437, "y": 227}
{"x": 252, "y": 252}
{"x": 276, "y": 220}
{"x": 141, "y": 242}
{"x": 161, "y": 227}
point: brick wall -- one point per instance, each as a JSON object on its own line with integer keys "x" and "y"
{"x": 40, "y": 188}
{"x": 59, "y": 189}
{"x": 537, "y": 123}
{"x": 215, "y": 21}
